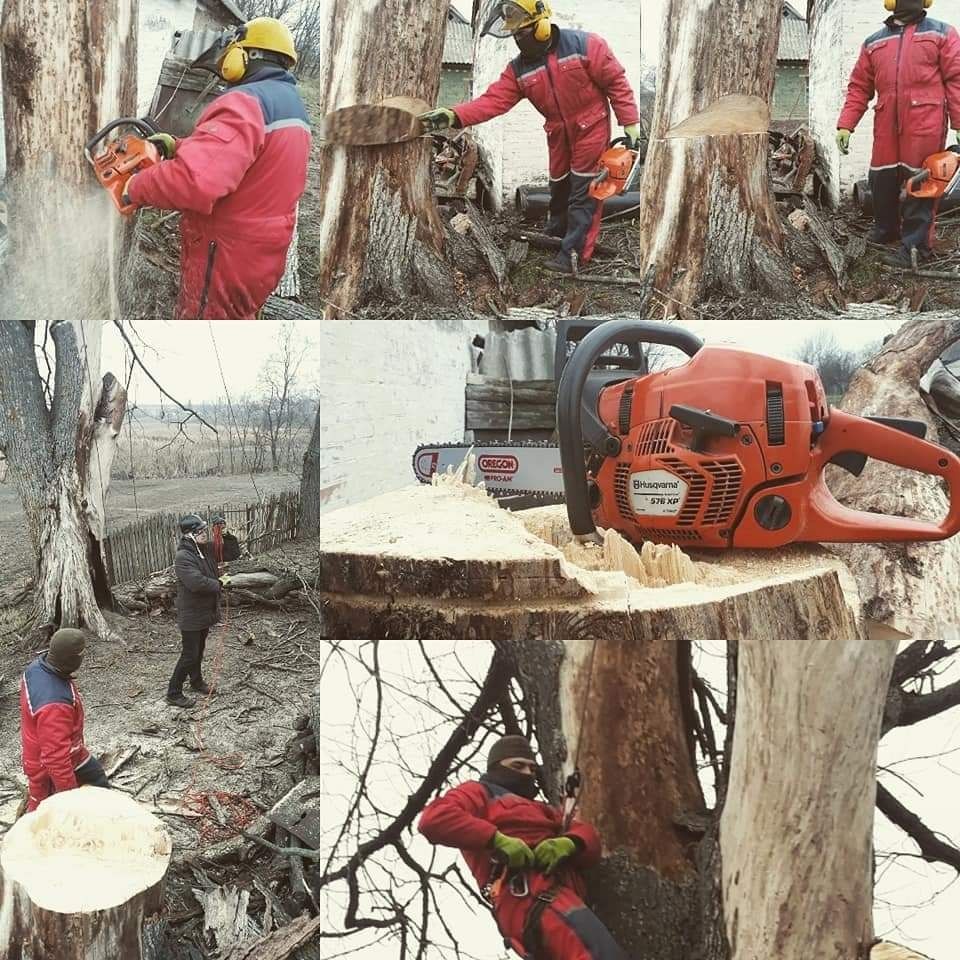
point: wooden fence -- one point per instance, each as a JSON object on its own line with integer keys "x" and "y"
{"x": 142, "y": 548}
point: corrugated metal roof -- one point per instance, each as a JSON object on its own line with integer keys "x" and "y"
{"x": 458, "y": 44}
{"x": 232, "y": 11}
{"x": 520, "y": 355}
{"x": 189, "y": 44}
{"x": 794, "y": 42}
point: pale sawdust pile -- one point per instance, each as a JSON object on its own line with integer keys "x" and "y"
{"x": 84, "y": 850}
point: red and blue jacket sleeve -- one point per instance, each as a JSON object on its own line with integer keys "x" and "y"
{"x": 589, "y": 849}
{"x": 458, "y": 819}
{"x": 502, "y": 95}
{"x": 608, "y": 74}
{"x": 860, "y": 92}
{"x": 210, "y": 163}
{"x": 55, "y": 735}
{"x": 950, "y": 71}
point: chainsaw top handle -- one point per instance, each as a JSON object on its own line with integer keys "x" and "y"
{"x": 143, "y": 125}
{"x": 569, "y": 395}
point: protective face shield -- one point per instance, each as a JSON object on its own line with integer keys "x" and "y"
{"x": 211, "y": 57}
{"x": 510, "y": 17}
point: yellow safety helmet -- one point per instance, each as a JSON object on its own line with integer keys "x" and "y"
{"x": 891, "y": 5}
{"x": 233, "y": 50}
{"x": 514, "y": 15}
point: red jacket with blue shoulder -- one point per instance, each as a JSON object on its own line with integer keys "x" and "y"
{"x": 575, "y": 84}
{"x": 51, "y": 725}
{"x": 237, "y": 180}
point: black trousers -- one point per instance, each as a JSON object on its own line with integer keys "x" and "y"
{"x": 91, "y": 774}
{"x": 190, "y": 663}
{"x": 911, "y": 219}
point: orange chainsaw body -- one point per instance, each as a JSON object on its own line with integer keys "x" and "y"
{"x": 115, "y": 161}
{"x": 616, "y": 164}
{"x": 938, "y": 176}
{"x": 762, "y": 485}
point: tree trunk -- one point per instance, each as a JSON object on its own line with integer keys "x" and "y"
{"x": 707, "y": 220}
{"x": 79, "y": 876}
{"x": 66, "y": 71}
{"x": 604, "y": 661}
{"x": 380, "y": 232}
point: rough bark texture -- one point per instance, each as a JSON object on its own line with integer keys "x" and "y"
{"x": 910, "y": 586}
{"x": 67, "y": 70}
{"x": 380, "y": 231}
{"x": 604, "y": 666}
{"x": 707, "y": 219}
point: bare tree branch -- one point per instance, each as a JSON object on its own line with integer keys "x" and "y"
{"x": 914, "y": 707}
{"x": 932, "y": 848}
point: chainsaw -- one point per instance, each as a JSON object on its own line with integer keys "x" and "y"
{"x": 727, "y": 450}
{"x": 620, "y": 168}
{"x": 120, "y": 158}
{"x": 939, "y": 177}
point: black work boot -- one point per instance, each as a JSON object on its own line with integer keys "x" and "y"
{"x": 881, "y": 237}
{"x": 561, "y": 263}
{"x": 179, "y": 700}
{"x": 903, "y": 258}
{"x": 200, "y": 686}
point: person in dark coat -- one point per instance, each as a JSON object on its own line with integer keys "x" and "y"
{"x": 225, "y": 546}
{"x": 496, "y": 822}
{"x": 198, "y": 607}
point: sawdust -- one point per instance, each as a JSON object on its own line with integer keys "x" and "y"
{"x": 85, "y": 850}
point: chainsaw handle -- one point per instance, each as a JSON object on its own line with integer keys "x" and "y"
{"x": 570, "y": 396}
{"x": 830, "y": 521}
{"x": 143, "y": 125}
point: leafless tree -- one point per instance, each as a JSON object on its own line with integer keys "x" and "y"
{"x": 278, "y": 386}
{"x": 835, "y": 365}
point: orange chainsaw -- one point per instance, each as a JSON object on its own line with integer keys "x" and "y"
{"x": 727, "y": 450}
{"x": 122, "y": 157}
{"x": 939, "y": 177}
{"x": 620, "y": 167}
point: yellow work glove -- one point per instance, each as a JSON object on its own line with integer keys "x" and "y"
{"x": 515, "y": 853}
{"x": 166, "y": 144}
{"x": 439, "y": 119}
{"x": 843, "y": 141}
{"x": 632, "y": 132}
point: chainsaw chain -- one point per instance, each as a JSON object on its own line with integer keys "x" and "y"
{"x": 544, "y": 498}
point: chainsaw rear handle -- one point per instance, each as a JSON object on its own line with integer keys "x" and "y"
{"x": 143, "y": 125}
{"x": 829, "y": 521}
{"x": 570, "y": 393}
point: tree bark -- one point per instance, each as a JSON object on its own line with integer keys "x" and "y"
{"x": 604, "y": 661}
{"x": 61, "y": 267}
{"x": 707, "y": 219}
{"x": 118, "y": 845}
{"x": 380, "y": 232}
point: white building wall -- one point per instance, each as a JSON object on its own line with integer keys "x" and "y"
{"x": 835, "y": 46}
{"x": 385, "y": 387}
{"x": 159, "y": 19}
{"x": 516, "y": 142}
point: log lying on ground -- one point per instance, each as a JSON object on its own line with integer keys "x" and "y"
{"x": 79, "y": 876}
{"x": 604, "y": 659}
{"x": 891, "y": 951}
{"x": 268, "y": 585}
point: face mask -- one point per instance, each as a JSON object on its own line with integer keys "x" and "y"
{"x": 530, "y": 47}
{"x": 522, "y": 784}
{"x": 908, "y": 10}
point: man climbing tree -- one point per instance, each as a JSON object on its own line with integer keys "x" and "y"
{"x": 526, "y": 856}
{"x": 573, "y": 79}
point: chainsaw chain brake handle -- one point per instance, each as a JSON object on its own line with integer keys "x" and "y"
{"x": 569, "y": 407}
{"x": 143, "y": 125}
{"x": 825, "y": 520}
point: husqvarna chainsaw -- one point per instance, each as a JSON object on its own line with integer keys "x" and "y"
{"x": 727, "y": 450}
{"x": 116, "y": 161}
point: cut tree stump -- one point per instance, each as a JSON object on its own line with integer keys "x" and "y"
{"x": 80, "y": 874}
{"x": 443, "y": 562}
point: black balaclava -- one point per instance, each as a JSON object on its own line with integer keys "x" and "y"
{"x": 66, "y": 651}
{"x": 522, "y": 784}
{"x": 909, "y": 10}
{"x": 530, "y": 47}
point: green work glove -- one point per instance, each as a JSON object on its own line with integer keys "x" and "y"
{"x": 516, "y": 853}
{"x": 843, "y": 141}
{"x": 632, "y": 133}
{"x": 439, "y": 119}
{"x": 551, "y": 853}
{"x": 167, "y": 144}
{"x": 225, "y": 580}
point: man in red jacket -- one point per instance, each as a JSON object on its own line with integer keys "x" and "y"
{"x": 498, "y": 826}
{"x": 913, "y": 66}
{"x": 237, "y": 178}
{"x": 51, "y": 722}
{"x": 572, "y": 78}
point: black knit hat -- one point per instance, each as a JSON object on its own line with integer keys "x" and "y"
{"x": 506, "y": 747}
{"x": 65, "y": 653}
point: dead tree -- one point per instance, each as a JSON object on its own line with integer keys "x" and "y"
{"x": 707, "y": 220}
{"x": 61, "y": 417}
{"x": 381, "y": 236}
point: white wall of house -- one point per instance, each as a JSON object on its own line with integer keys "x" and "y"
{"x": 516, "y": 142}
{"x": 835, "y": 46}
